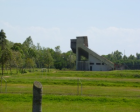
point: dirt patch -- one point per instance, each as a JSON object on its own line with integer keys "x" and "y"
{"x": 54, "y": 72}
{"x": 6, "y": 76}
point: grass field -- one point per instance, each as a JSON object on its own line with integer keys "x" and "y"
{"x": 112, "y": 91}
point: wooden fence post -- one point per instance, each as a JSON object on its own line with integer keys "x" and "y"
{"x": 37, "y": 97}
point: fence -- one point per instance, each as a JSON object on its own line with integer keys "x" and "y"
{"x": 5, "y": 85}
{"x": 85, "y": 87}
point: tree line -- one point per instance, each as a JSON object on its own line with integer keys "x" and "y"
{"x": 27, "y": 56}
{"x": 128, "y": 62}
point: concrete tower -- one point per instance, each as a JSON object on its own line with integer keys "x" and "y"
{"x": 86, "y": 59}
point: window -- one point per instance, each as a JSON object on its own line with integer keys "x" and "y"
{"x": 91, "y": 63}
{"x": 98, "y": 63}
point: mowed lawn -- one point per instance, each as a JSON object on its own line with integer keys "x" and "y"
{"x": 73, "y": 91}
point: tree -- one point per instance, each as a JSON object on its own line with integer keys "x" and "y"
{"x": 17, "y": 47}
{"x": 30, "y": 63}
{"x": 16, "y": 60}
{"x": 9, "y": 44}
{"x": 57, "y": 49}
{"x": 28, "y": 42}
{"x": 71, "y": 59}
{"x": 48, "y": 59}
{"x": 58, "y": 58}
{"x": 132, "y": 57}
{"x": 124, "y": 57}
{"x": 18, "y": 55}
{"x": 38, "y": 55}
{"x": 138, "y": 56}
{"x": 29, "y": 52}
{"x": 5, "y": 52}
{"x": 117, "y": 55}
{"x": 30, "y": 58}
{"x": 4, "y": 57}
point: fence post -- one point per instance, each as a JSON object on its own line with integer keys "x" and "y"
{"x": 1, "y": 85}
{"x": 77, "y": 86}
{"x": 37, "y": 97}
{"x": 5, "y": 85}
{"x": 81, "y": 88}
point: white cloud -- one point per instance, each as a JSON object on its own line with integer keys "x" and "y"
{"x": 112, "y": 38}
{"x": 45, "y": 36}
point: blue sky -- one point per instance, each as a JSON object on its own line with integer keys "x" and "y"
{"x": 109, "y": 24}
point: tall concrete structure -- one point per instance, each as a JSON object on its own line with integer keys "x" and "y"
{"x": 86, "y": 59}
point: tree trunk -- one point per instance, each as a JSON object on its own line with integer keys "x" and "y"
{"x": 6, "y": 69}
{"x": 2, "y": 75}
{"x": 48, "y": 67}
{"x": 10, "y": 70}
{"x": 2, "y": 68}
{"x": 17, "y": 69}
{"x": 1, "y": 85}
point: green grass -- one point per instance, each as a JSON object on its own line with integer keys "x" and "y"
{"x": 55, "y": 103}
{"x": 104, "y": 74}
{"x": 87, "y": 78}
{"x": 112, "y": 91}
{"x": 72, "y": 90}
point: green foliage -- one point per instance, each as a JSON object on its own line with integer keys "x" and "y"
{"x": 48, "y": 59}
{"x": 31, "y": 53}
{"x": 5, "y": 53}
{"x": 28, "y": 43}
{"x": 17, "y": 47}
{"x": 130, "y": 62}
{"x": 27, "y": 55}
{"x": 29, "y": 63}
{"x": 36, "y": 56}
{"x": 2, "y": 39}
{"x": 58, "y": 65}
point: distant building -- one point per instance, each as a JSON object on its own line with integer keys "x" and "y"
{"x": 86, "y": 59}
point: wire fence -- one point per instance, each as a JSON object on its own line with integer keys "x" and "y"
{"x": 129, "y": 88}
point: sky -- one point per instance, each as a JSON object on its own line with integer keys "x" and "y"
{"x": 109, "y": 24}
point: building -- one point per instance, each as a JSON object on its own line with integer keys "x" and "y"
{"x": 86, "y": 59}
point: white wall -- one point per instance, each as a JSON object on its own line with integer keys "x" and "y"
{"x": 95, "y": 67}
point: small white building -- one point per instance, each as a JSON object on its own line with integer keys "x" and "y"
{"x": 93, "y": 61}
